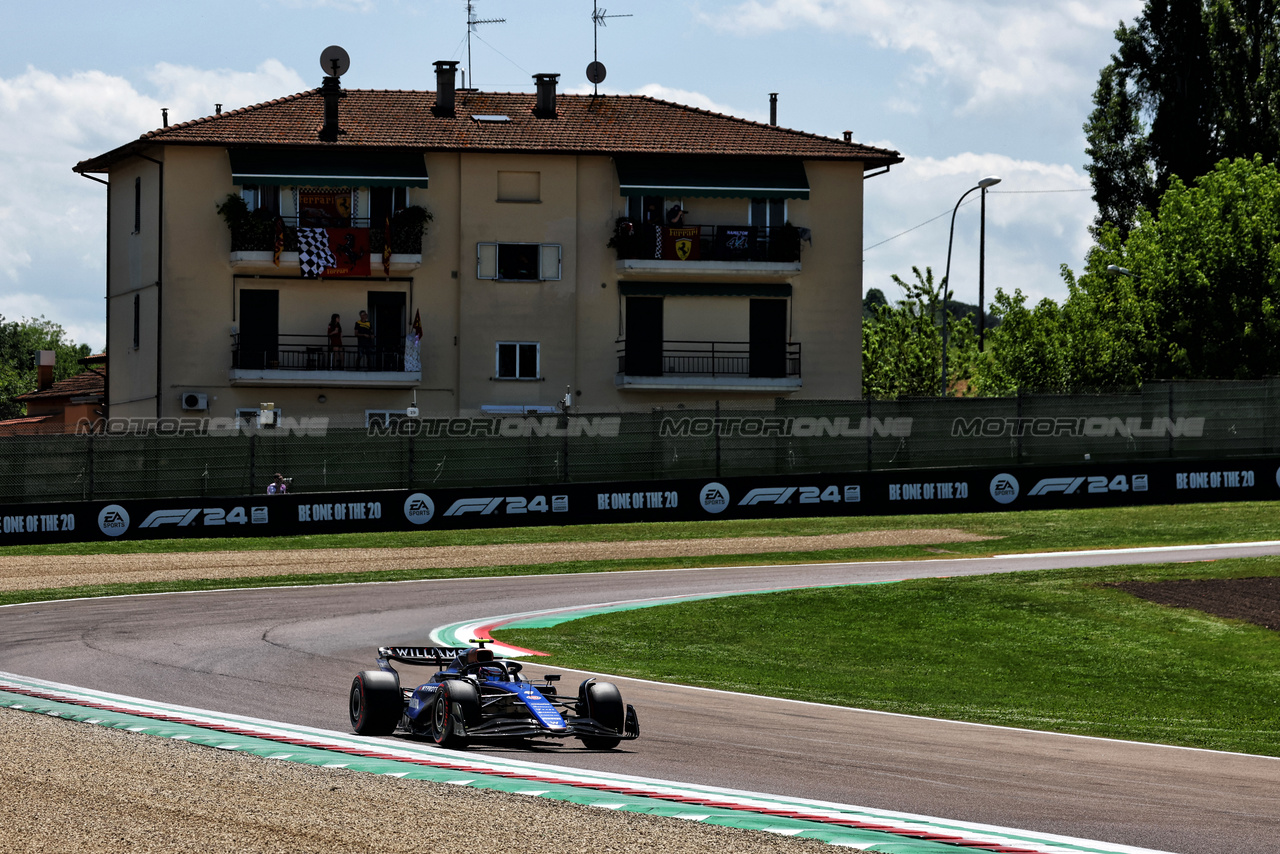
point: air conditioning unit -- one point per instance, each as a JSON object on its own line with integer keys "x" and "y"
{"x": 195, "y": 400}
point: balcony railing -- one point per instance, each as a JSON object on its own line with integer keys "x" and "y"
{"x": 710, "y": 359}
{"x": 286, "y": 352}
{"x": 255, "y": 232}
{"x": 706, "y": 242}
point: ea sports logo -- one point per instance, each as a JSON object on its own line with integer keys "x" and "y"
{"x": 1004, "y": 488}
{"x": 714, "y": 497}
{"x": 113, "y": 520}
{"x": 419, "y": 509}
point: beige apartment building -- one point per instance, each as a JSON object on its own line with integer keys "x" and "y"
{"x": 532, "y": 236}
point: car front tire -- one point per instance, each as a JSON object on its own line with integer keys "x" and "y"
{"x": 455, "y": 701}
{"x": 602, "y": 702}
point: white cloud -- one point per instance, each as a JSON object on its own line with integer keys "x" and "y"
{"x": 1036, "y": 219}
{"x": 191, "y": 93}
{"x": 54, "y": 220}
{"x": 993, "y": 51}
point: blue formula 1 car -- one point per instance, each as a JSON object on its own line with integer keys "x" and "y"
{"x": 475, "y": 696}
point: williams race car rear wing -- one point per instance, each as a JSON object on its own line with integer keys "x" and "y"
{"x": 424, "y": 655}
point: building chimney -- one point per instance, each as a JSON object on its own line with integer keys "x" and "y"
{"x": 546, "y": 105}
{"x": 446, "y": 87}
{"x": 331, "y": 91}
{"x": 848, "y": 136}
{"x": 164, "y": 115}
{"x": 773, "y": 108}
{"x": 45, "y": 360}
{"x": 217, "y": 109}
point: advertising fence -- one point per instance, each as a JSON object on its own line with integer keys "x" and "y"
{"x": 972, "y": 489}
{"x": 222, "y": 457}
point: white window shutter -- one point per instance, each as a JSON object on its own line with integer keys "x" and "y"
{"x": 486, "y": 260}
{"x": 549, "y": 262}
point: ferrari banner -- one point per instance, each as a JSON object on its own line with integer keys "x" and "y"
{"x": 350, "y": 248}
{"x": 680, "y": 244}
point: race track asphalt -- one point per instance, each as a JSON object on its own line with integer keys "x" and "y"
{"x": 289, "y": 654}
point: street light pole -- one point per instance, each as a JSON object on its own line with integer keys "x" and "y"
{"x": 946, "y": 281}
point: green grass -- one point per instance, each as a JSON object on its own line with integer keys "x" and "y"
{"x": 1052, "y": 650}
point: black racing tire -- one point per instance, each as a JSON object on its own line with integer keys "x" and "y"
{"x": 455, "y": 700}
{"x": 602, "y": 702}
{"x": 376, "y": 703}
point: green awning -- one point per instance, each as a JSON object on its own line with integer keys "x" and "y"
{"x": 328, "y": 168}
{"x": 713, "y": 177}
{"x": 703, "y": 289}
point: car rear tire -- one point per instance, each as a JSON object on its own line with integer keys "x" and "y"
{"x": 455, "y": 700}
{"x": 376, "y": 703}
{"x": 602, "y": 702}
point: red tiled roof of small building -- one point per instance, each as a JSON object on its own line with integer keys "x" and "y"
{"x": 84, "y": 384}
{"x": 604, "y": 125}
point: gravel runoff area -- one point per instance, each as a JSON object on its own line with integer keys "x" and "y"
{"x": 68, "y": 786}
{"x": 20, "y": 572}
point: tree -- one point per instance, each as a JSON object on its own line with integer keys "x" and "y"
{"x": 1193, "y": 82}
{"x": 902, "y": 343}
{"x": 1200, "y": 300}
{"x": 1208, "y": 268}
{"x": 19, "y": 341}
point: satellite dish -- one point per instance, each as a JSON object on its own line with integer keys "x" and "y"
{"x": 595, "y": 72}
{"x": 334, "y": 61}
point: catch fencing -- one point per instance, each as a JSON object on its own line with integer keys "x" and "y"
{"x": 222, "y": 457}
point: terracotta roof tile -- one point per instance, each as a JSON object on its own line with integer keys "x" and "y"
{"x": 84, "y": 384}
{"x": 608, "y": 124}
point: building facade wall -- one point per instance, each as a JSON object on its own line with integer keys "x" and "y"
{"x": 571, "y": 202}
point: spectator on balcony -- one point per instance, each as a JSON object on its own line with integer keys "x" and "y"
{"x": 675, "y": 216}
{"x": 335, "y": 342}
{"x": 364, "y": 342}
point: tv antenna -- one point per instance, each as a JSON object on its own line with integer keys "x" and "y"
{"x": 472, "y": 21}
{"x": 596, "y": 70}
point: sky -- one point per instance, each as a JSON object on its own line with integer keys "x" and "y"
{"x": 964, "y": 89}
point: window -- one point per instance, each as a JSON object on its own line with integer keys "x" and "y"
{"x": 768, "y": 213}
{"x": 259, "y": 197}
{"x": 262, "y": 197}
{"x": 249, "y": 418}
{"x": 518, "y": 262}
{"x": 519, "y": 186}
{"x": 384, "y": 417}
{"x": 386, "y": 202}
{"x": 137, "y": 320}
{"x": 137, "y": 205}
{"x": 641, "y": 209}
{"x": 517, "y": 360}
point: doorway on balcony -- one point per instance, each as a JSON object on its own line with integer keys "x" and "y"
{"x": 643, "y": 354}
{"x": 767, "y": 337}
{"x": 259, "y": 343}
{"x": 387, "y": 312}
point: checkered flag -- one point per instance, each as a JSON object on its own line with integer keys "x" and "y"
{"x": 313, "y": 252}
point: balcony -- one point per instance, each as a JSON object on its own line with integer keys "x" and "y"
{"x": 649, "y": 249}
{"x": 254, "y": 238}
{"x": 308, "y": 360}
{"x": 715, "y": 366}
